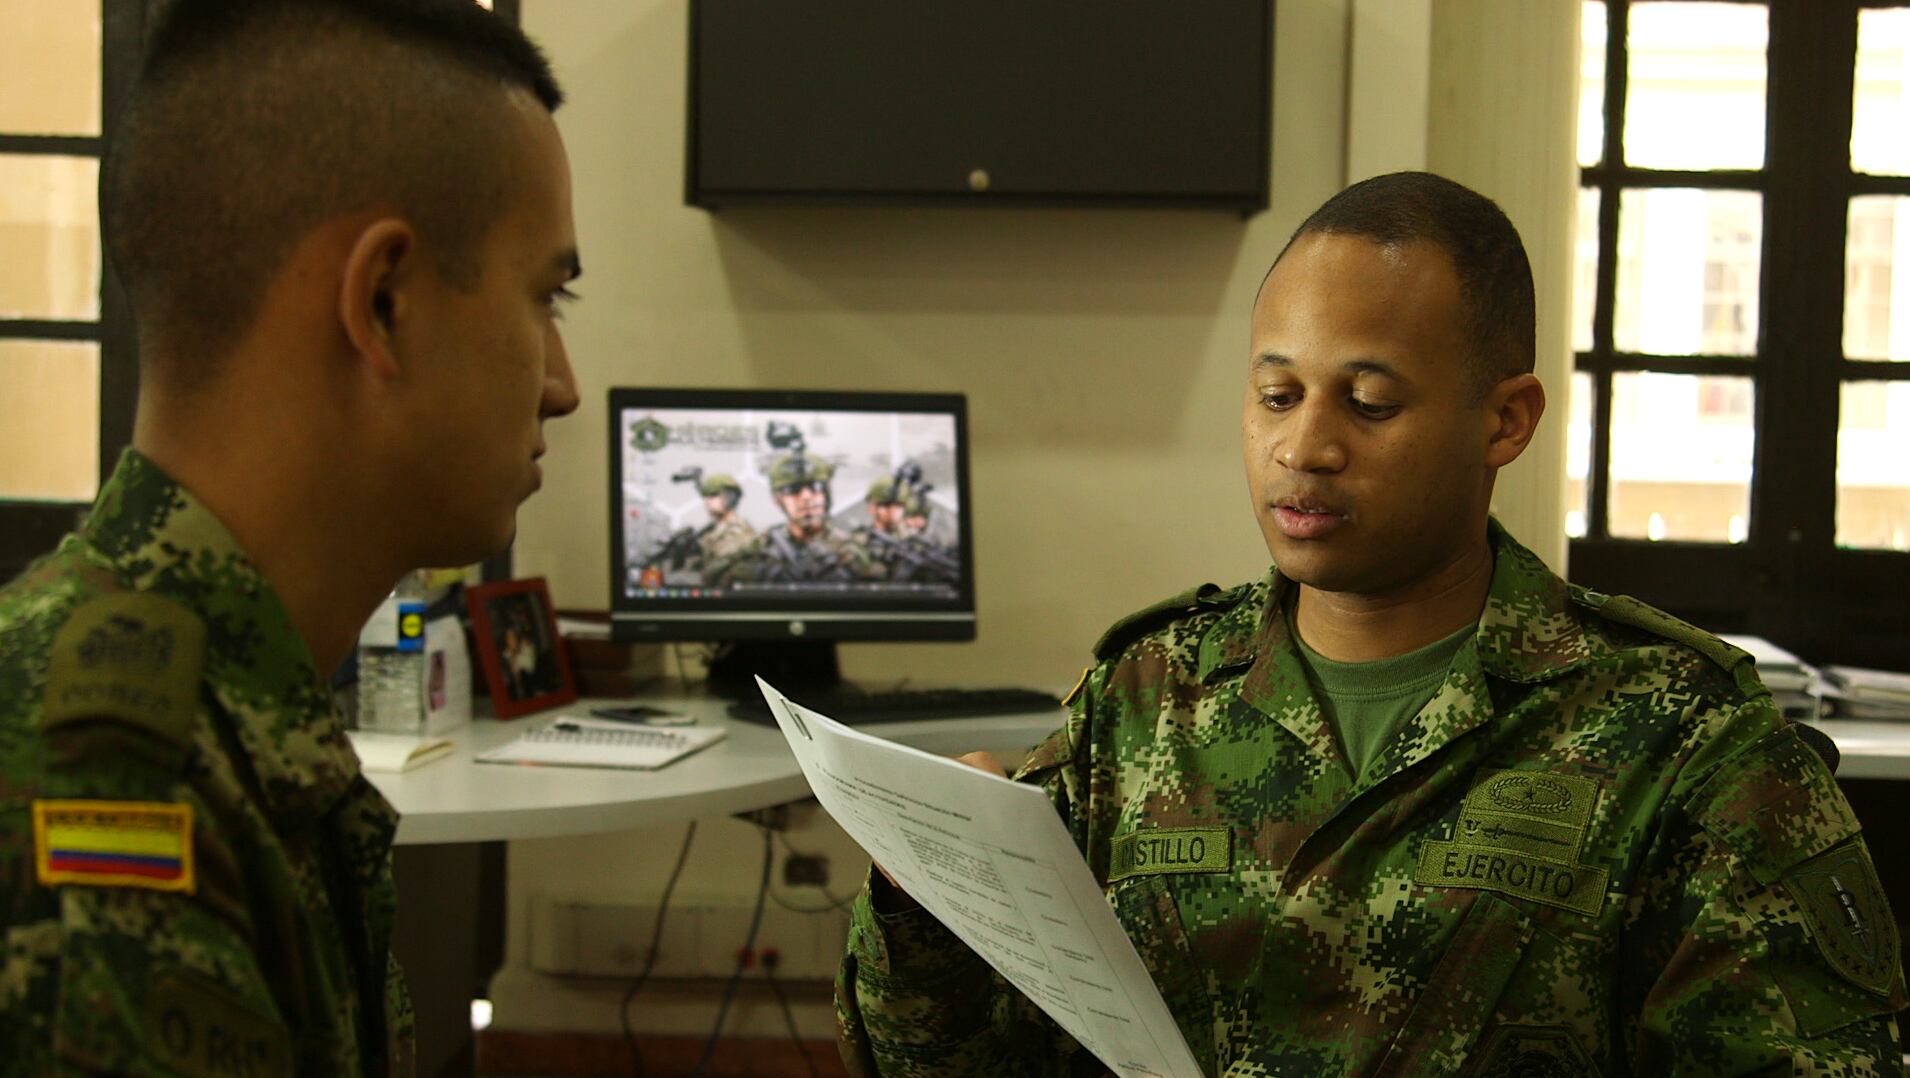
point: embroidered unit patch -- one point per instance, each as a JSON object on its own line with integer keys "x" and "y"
{"x": 1849, "y": 917}
{"x": 114, "y": 844}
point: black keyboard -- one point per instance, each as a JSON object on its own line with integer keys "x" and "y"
{"x": 855, "y": 707}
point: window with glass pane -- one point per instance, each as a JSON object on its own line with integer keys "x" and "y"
{"x": 1873, "y": 466}
{"x": 49, "y": 444}
{"x": 1578, "y": 456}
{"x": 1881, "y": 96}
{"x": 1877, "y": 278}
{"x": 50, "y": 53}
{"x": 1695, "y": 85}
{"x": 49, "y": 237}
{"x": 1681, "y": 457}
{"x": 1688, "y": 264}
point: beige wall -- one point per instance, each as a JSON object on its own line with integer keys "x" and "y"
{"x": 1102, "y": 352}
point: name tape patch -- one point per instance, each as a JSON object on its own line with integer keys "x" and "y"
{"x": 1513, "y": 873}
{"x": 113, "y": 844}
{"x": 1159, "y": 851}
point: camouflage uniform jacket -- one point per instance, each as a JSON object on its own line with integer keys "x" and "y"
{"x": 152, "y": 688}
{"x": 1597, "y": 850}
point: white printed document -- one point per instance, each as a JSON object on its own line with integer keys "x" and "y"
{"x": 991, "y": 859}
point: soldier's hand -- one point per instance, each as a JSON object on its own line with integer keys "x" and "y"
{"x": 892, "y": 899}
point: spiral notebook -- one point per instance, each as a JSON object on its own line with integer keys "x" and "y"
{"x": 574, "y": 741}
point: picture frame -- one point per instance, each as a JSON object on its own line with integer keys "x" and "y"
{"x": 514, "y": 632}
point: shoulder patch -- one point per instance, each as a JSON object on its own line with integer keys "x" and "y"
{"x": 1840, "y": 895}
{"x": 131, "y": 656}
{"x": 1141, "y": 622}
{"x": 113, "y": 844}
{"x": 1628, "y": 611}
{"x": 195, "y": 1026}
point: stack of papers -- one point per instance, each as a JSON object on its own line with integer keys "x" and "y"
{"x": 1857, "y": 693}
{"x": 1795, "y": 684}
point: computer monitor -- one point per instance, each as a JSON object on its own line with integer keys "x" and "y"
{"x": 778, "y": 522}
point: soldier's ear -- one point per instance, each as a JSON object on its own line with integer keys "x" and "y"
{"x": 1512, "y": 411}
{"x": 373, "y": 292}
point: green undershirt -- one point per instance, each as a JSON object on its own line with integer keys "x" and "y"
{"x": 1367, "y": 703}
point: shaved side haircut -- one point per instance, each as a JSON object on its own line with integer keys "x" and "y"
{"x": 1495, "y": 278}
{"x": 255, "y": 121}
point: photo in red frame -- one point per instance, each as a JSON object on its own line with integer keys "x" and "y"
{"x": 514, "y": 630}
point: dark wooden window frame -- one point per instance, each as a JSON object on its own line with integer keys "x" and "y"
{"x": 1788, "y": 581}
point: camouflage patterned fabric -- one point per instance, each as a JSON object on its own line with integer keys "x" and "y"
{"x": 725, "y": 539}
{"x": 188, "y": 688}
{"x": 832, "y": 556}
{"x": 1597, "y": 850}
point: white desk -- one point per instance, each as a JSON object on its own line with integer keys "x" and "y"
{"x": 455, "y": 799}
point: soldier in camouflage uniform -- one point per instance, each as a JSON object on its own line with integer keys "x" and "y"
{"x": 307, "y": 201}
{"x": 903, "y": 551}
{"x": 1411, "y": 804}
{"x": 809, "y": 548}
{"x": 727, "y": 534}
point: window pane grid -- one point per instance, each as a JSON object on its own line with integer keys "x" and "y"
{"x": 1623, "y": 326}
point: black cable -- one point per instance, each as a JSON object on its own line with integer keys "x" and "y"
{"x": 789, "y": 1017}
{"x": 749, "y": 948}
{"x": 650, "y": 959}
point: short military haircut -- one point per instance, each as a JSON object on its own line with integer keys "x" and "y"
{"x": 255, "y": 121}
{"x": 1495, "y": 278}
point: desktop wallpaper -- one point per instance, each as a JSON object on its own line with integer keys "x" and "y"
{"x": 734, "y": 503}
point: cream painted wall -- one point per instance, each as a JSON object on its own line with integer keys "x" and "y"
{"x": 1102, "y": 352}
{"x": 1503, "y": 119}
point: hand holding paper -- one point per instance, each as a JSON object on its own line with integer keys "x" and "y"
{"x": 992, "y": 861}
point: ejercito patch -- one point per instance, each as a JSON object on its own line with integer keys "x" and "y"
{"x": 1849, "y": 918}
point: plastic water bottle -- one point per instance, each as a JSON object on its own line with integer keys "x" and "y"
{"x": 391, "y": 662}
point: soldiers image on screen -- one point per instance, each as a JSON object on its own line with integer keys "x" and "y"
{"x": 807, "y": 547}
{"x": 896, "y": 535}
{"x": 692, "y": 549}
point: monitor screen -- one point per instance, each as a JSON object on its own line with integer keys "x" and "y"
{"x": 766, "y": 514}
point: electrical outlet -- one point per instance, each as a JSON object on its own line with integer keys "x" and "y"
{"x": 801, "y": 870}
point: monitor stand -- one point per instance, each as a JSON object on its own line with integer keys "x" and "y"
{"x": 790, "y": 665}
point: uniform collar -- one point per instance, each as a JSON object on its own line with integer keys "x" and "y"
{"x": 164, "y": 540}
{"x": 1528, "y": 631}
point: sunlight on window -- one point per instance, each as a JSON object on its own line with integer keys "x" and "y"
{"x": 1688, "y": 266}
{"x": 1873, "y": 466}
{"x": 1877, "y": 278}
{"x": 1681, "y": 456}
{"x": 49, "y": 237}
{"x": 1578, "y": 455}
{"x": 1881, "y": 98}
{"x": 1694, "y": 96}
{"x": 51, "y": 56}
{"x": 49, "y": 440}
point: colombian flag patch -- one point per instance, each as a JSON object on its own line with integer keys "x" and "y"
{"x": 114, "y": 844}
